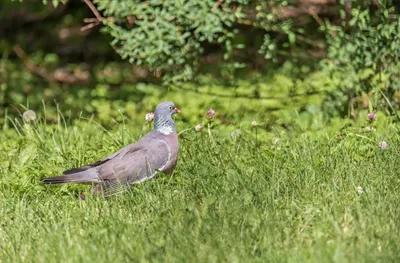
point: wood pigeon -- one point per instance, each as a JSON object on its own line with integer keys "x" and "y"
{"x": 135, "y": 163}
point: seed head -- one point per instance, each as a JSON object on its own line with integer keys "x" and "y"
{"x": 198, "y": 127}
{"x": 29, "y": 115}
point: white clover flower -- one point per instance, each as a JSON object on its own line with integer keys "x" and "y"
{"x": 149, "y": 116}
{"x": 383, "y": 145}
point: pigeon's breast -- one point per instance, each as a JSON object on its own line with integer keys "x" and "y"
{"x": 172, "y": 141}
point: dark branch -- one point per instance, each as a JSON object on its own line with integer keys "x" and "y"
{"x": 94, "y": 10}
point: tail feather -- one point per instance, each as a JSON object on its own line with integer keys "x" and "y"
{"x": 85, "y": 167}
{"x": 86, "y": 176}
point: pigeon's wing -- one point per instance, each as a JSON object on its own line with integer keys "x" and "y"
{"x": 88, "y": 173}
{"x": 97, "y": 163}
{"x": 134, "y": 166}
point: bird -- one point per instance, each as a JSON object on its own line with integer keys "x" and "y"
{"x": 155, "y": 152}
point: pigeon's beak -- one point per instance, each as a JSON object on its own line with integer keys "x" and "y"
{"x": 177, "y": 110}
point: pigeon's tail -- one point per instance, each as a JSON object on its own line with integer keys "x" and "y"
{"x": 86, "y": 176}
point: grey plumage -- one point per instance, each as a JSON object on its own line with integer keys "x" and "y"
{"x": 135, "y": 163}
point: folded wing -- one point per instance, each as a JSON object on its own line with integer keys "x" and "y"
{"x": 133, "y": 166}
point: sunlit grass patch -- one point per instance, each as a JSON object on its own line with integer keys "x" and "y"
{"x": 250, "y": 196}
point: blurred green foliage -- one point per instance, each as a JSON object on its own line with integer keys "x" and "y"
{"x": 288, "y": 58}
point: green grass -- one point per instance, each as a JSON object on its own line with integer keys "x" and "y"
{"x": 233, "y": 198}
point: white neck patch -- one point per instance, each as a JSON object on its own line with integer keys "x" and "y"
{"x": 165, "y": 130}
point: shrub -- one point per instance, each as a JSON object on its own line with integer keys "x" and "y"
{"x": 363, "y": 57}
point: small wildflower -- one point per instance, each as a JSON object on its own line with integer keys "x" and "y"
{"x": 210, "y": 114}
{"x": 254, "y": 123}
{"x": 360, "y": 190}
{"x": 369, "y": 128}
{"x": 149, "y": 116}
{"x": 371, "y": 116}
{"x": 379, "y": 247}
{"x": 383, "y": 145}
{"x": 345, "y": 229}
{"x": 275, "y": 140}
{"x": 198, "y": 127}
{"x": 29, "y": 115}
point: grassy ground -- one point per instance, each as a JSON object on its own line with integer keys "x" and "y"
{"x": 307, "y": 197}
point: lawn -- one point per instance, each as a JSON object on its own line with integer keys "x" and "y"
{"x": 325, "y": 195}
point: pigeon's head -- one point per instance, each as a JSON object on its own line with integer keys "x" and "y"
{"x": 163, "y": 121}
{"x": 166, "y": 108}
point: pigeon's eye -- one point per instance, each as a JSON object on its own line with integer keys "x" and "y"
{"x": 170, "y": 107}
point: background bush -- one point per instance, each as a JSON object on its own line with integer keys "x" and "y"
{"x": 341, "y": 55}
